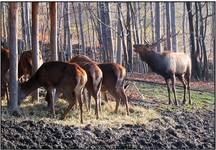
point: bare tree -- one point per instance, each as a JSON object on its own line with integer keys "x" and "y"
{"x": 13, "y": 86}
{"x": 35, "y": 42}
{"x": 67, "y": 33}
{"x": 173, "y": 24}
{"x": 157, "y": 25}
{"x": 81, "y": 28}
{"x": 195, "y": 66}
{"x": 53, "y": 33}
{"x": 119, "y": 51}
{"x": 152, "y": 22}
{"x": 183, "y": 28}
{"x": 129, "y": 44}
{"x": 168, "y": 42}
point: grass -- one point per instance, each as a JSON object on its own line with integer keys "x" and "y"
{"x": 138, "y": 114}
{"x": 200, "y": 100}
{"x": 36, "y": 112}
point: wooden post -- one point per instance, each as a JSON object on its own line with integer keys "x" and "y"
{"x": 13, "y": 86}
{"x": 53, "y": 33}
{"x": 35, "y": 43}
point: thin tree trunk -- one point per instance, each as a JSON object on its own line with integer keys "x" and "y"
{"x": 76, "y": 24}
{"x": 53, "y": 33}
{"x": 173, "y": 24}
{"x": 28, "y": 26}
{"x": 152, "y": 22}
{"x": 35, "y": 43}
{"x": 129, "y": 44}
{"x": 13, "y": 86}
{"x": 192, "y": 43}
{"x": 168, "y": 26}
{"x": 157, "y": 25}
{"x": 183, "y": 28}
{"x": 24, "y": 27}
{"x": 81, "y": 29}
{"x": 119, "y": 52}
{"x": 144, "y": 20}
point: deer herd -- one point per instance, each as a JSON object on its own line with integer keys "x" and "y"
{"x": 71, "y": 79}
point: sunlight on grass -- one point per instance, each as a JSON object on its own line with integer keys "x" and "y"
{"x": 39, "y": 111}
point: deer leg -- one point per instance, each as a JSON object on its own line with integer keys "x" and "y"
{"x": 80, "y": 105}
{"x": 96, "y": 97}
{"x": 85, "y": 100}
{"x": 105, "y": 96}
{"x": 168, "y": 89}
{"x": 70, "y": 106}
{"x": 89, "y": 100}
{"x": 182, "y": 79}
{"x": 173, "y": 79}
{"x": 188, "y": 86}
{"x": 124, "y": 99}
{"x": 99, "y": 101}
{"x": 52, "y": 99}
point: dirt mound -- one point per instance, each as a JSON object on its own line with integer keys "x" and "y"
{"x": 173, "y": 130}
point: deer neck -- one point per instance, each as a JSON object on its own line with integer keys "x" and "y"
{"x": 152, "y": 58}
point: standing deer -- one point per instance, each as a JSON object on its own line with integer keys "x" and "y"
{"x": 94, "y": 82}
{"x": 57, "y": 77}
{"x": 25, "y": 64}
{"x": 169, "y": 65}
{"x": 113, "y": 80}
{"x": 5, "y": 64}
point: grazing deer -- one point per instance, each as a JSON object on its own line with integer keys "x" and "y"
{"x": 5, "y": 64}
{"x": 113, "y": 80}
{"x": 57, "y": 77}
{"x": 169, "y": 65}
{"x": 94, "y": 82}
{"x": 25, "y": 64}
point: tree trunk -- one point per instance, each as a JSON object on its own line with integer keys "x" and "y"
{"x": 152, "y": 22}
{"x": 119, "y": 51}
{"x": 24, "y": 28}
{"x": 28, "y": 26}
{"x": 129, "y": 44}
{"x": 192, "y": 43}
{"x": 144, "y": 20}
{"x": 168, "y": 26}
{"x": 173, "y": 24}
{"x": 81, "y": 29}
{"x": 214, "y": 37}
{"x": 183, "y": 29}
{"x": 13, "y": 86}
{"x": 76, "y": 24}
{"x": 35, "y": 43}
{"x": 53, "y": 33}
{"x": 157, "y": 25}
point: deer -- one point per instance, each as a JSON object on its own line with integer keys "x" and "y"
{"x": 94, "y": 82}
{"x": 169, "y": 65}
{"x": 5, "y": 64}
{"x": 113, "y": 80}
{"x": 57, "y": 77}
{"x": 25, "y": 64}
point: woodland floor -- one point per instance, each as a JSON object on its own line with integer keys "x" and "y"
{"x": 151, "y": 124}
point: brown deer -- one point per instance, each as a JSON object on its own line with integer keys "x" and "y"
{"x": 25, "y": 64}
{"x": 113, "y": 80}
{"x": 94, "y": 82}
{"x": 169, "y": 65}
{"x": 5, "y": 64}
{"x": 57, "y": 77}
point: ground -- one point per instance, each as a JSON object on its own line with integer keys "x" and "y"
{"x": 151, "y": 124}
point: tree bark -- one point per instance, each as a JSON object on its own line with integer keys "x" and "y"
{"x": 183, "y": 28}
{"x": 157, "y": 25}
{"x": 152, "y": 22}
{"x": 35, "y": 42}
{"x": 81, "y": 29}
{"x": 173, "y": 24}
{"x": 13, "y": 86}
{"x": 192, "y": 43}
{"x": 53, "y": 33}
{"x": 129, "y": 44}
{"x": 119, "y": 51}
{"x": 168, "y": 42}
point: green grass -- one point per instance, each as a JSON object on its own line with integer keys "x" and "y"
{"x": 200, "y": 100}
